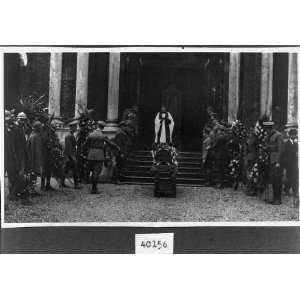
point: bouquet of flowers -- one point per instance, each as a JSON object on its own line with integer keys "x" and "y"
{"x": 260, "y": 133}
{"x": 261, "y": 164}
{"x": 234, "y": 168}
{"x": 239, "y": 130}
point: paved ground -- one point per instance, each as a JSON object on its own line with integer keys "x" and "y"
{"x": 133, "y": 203}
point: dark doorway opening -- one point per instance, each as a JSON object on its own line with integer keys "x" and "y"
{"x": 199, "y": 77}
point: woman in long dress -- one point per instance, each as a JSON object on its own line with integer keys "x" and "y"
{"x": 164, "y": 125}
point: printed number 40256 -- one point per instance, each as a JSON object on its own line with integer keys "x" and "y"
{"x": 154, "y": 244}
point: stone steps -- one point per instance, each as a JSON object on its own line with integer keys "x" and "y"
{"x": 137, "y": 169}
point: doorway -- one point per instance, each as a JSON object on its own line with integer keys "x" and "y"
{"x": 187, "y": 72}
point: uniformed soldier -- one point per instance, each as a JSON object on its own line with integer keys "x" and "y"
{"x": 290, "y": 162}
{"x": 275, "y": 147}
{"x": 70, "y": 153}
{"x": 96, "y": 143}
{"x": 47, "y": 165}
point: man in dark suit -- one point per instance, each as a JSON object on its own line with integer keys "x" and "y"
{"x": 275, "y": 147}
{"x": 290, "y": 161}
{"x": 70, "y": 152}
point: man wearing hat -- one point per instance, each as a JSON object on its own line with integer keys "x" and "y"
{"x": 275, "y": 147}
{"x": 290, "y": 161}
{"x": 70, "y": 152}
{"x": 35, "y": 151}
{"x": 96, "y": 143}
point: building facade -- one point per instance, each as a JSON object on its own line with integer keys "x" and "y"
{"x": 237, "y": 85}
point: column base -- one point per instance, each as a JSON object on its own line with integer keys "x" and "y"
{"x": 111, "y": 129}
{"x": 291, "y": 125}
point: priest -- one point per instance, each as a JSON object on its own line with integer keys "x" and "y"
{"x": 164, "y": 126}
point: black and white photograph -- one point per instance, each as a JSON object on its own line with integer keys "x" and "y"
{"x": 151, "y": 135}
{"x": 156, "y": 127}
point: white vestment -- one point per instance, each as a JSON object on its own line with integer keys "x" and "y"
{"x": 160, "y": 128}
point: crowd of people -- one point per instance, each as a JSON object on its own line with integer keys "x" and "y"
{"x": 261, "y": 158}
{"x": 33, "y": 150}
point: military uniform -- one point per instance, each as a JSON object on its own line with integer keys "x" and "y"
{"x": 96, "y": 143}
{"x": 276, "y": 146}
{"x": 290, "y": 163}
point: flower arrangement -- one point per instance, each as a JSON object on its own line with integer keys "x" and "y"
{"x": 156, "y": 148}
{"x": 238, "y": 129}
{"x": 234, "y": 167}
{"x": 261, "y": 164}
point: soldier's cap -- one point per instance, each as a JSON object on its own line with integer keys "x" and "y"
{"x": 21, "y": 115}
{"x": 101, "y": 124}
{"x": 268, "y": 124}
{"x": 36, "y": 125}
{"x": 73, "y": 122}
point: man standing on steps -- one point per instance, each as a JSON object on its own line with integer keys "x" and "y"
{"x": 164, "y": 125}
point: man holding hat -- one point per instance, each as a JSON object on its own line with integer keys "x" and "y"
{"x": 96, "y": 143}
{"x": 275, "y": 147}
{"x": 70, "y": 152}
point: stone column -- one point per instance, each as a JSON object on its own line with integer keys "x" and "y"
{"x": 266, "y": 85}
{"x": 113, "y": 94}
{"x": 233, "y": 89}
{"x": 292, "y": 109}
{"x": 55, "y": 84}
{"x": 81, "y": 82}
